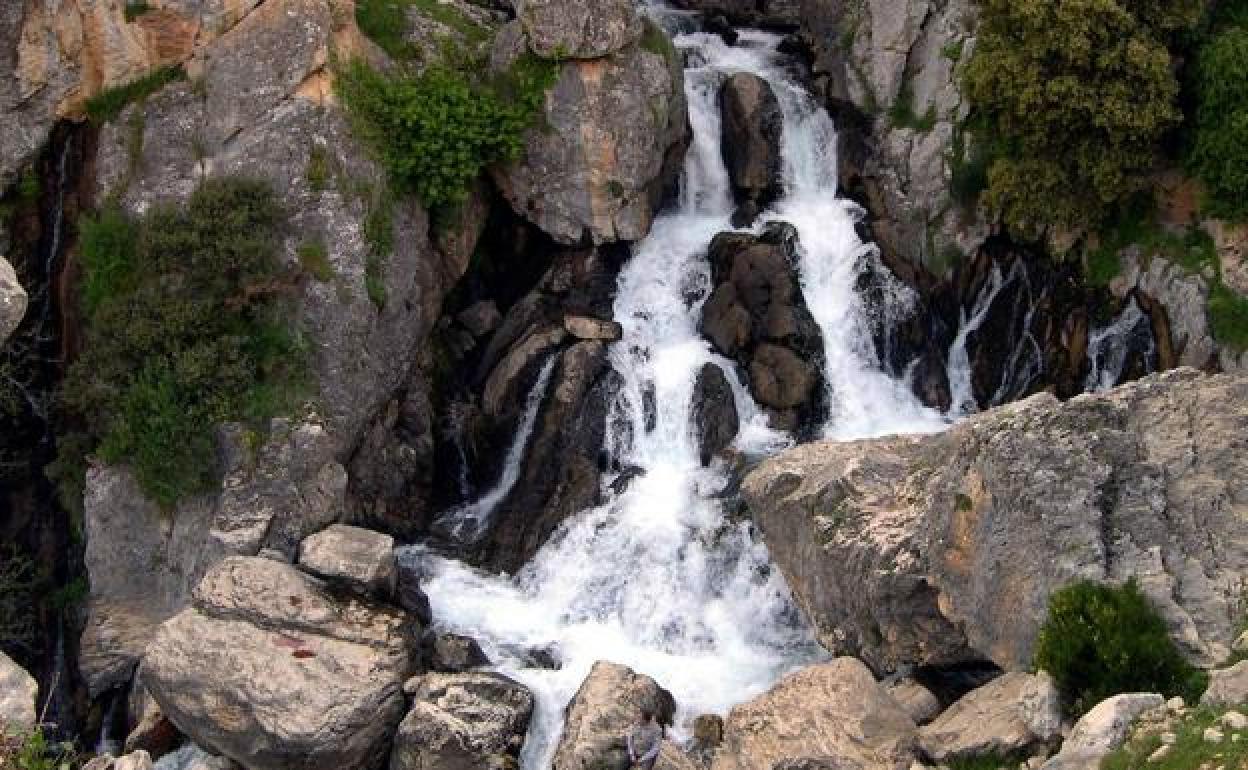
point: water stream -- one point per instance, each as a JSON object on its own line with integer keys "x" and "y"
{"x": 1110, "y": 347}
{"x": 659, "y": 577}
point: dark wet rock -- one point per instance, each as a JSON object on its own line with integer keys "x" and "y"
{"x": 753, "y": 128}
{"x": 715, "y": 420}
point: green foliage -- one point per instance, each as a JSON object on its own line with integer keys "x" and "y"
{"x": 1135, "y": 223}
{"x": 1228, "y": 317}
{"x": 314, "y": 259}
{"x": 953, "y": 51}
{"x": 108, "y": 104}
{"x": 435, "y": 131}
{"x": 655, "y": 40}
{"x": 30, "y": 750}
{"x": 1219, "y": 152}
{"x": 987, "y": 762}
{"x": 385, "y": 23}
{"x": 184, "y": 330}
{"x": 1078, "y": 95}
{"x": 902, "y": 114}
{"x": 1101, "y": 640}
{"x": 1189, "y": 751}
{"x": 318, "y": 170}
{"x": 17, "y": 600}
{"x": 968, "y": 166}
{"x": 135, "y": 8}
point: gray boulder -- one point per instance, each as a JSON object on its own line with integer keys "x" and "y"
{"x": 753, "y": 129}
{"x": 361, "y": 558}
{"x": 473, "y": 721}
{"x": 610, "y": 138}
{"x": 270, "y": 670}
{"x": 602, "y": 712}
{"x": 1015, "y": 712}
{"x": 916, "y": 700}
{"x": 18, "y": 691}
{"x": 138, "y": 760}
{"x": 1227, "y": 686}
{"x": 1102, "y": 730}
{"x": 945, "y": 549}
{"x": 13, "y": 300}
{"x": 715, "y": 418}
{"x": 832, "y": 710}
{"x": 455, "y": 653}
{"x": 571, "y": 29}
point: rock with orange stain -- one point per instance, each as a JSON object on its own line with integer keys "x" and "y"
{"x": 944, "y": 549}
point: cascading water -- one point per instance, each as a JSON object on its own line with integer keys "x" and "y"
{"x": 962, "y": 395}
{"x": 1110, "y": 347}
{"x": 658, "y": 577}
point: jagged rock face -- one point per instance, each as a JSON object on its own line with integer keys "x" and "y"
{"x": 601, "y": 714}
{"x": 753, "y": 128}
{"x": 945, "y": 549}
{"x": 1102, "y": 730}
{"x": 1185, "y": 297}
{"x": 608, "y": 142}
{"x": 1227, "y": 687}
{"x": 715, "y": 418}
{"x": 916, "y": 700}
{"x": 18, "y": 691}
{"x": 454, "y": 653}
{"x": 270, "y": 670}
{"x": 359, "y": 558}
{"x": 13, "y": 300}
{"x": 831, "y": 711}
{"x": 1014, "y": 713}
{"x": 143, "y": 562}
{"x": 757, "y": 316}
{"x": 572, "y": 29}
{"x": 471, "y": 721}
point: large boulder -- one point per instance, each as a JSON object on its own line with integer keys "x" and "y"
{"x": 753, "y": 129}
{"x": 715, "y": 418}
{"x": 945, "y": 549}
{"x": 18, "y": 691}
{"x": 1102, "y": 730}
{"x": 360, "y": 558}
{"x": 13, "y": 300}
{"x": 571, "y": 29}
{"x": 272, "y": 671}
{"x": 1227, "y": 687}
{"x": 833, "y": 710}
{"x": 609, "y": 139}
{"x": 473, "y": 721}
{"x": 916, "y": 700}
{"x": 601, "y": 714}
{"x": 1012, "y": 713}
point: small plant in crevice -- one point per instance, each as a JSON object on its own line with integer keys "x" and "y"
{"x": 30, "y": 749}
{"x": 108, "y": 104}
{"x": 1100, "y": 640}
{"x": 902, "y": 114}
{"x": 186, "y": 327}
{"x": 314, "y": 259}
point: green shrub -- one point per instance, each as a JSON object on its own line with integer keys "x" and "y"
{"x": 1100, "y": 640}
{"x": 185, "y": 329}
{"x": 902, "y": 114}
{"x": 1219, "y": 153}
{"x": 108, "y": 104}
{"x": 385, "y": 23}
{"x": 1228, "y": 317}
{"x": 1078, "y": 94}
{"x": 30, "y": 750}
{"x": 135, "y": 8}
{"x": 318, "y": 170}
{"x": 435, "y": 131}
{"x": 314, "y": 259}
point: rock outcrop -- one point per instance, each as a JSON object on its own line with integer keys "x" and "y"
{"x": 945, "y": 549}
{"x": 462, "y": 722}
{"x": 18, "y": 691}
{"x": 1102, "y": 730}
{"x": 715, "y": 418}
{"x": 614, "y": 126}
{"x": 753, "y": 129}
{"x": 830, "y": 712}
{"x": 1014, "y": 713}
{"x": 916, "y": 700}
{"x": 757, "y": 316}
{"x": 1227, "y": 686}
{"x": 360, "y": 558}
{"x": 13, "y": 300}
{"x": 271, "y": 670}
{"x": 602, "y": 712}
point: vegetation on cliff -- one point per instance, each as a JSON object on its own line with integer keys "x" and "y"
{"x": 1219, "y": 146}
{"x": 184, "y": 330}
{"x": 1100, "y": 640}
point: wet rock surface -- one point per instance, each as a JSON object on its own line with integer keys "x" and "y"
{"x": 753, "y": 129}
{"x": 462, "y": 721}
{"x": 603, "y": 711}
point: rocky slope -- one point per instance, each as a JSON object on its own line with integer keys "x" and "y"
{"x": 944, "y": 549}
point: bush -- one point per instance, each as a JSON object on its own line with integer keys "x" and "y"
{"x": 1100, "y": 640}
{"x": 1078, "y": 95}
{"x": 185, "y": 329}
{"x": 30, "y": 750}
{"x": 1219, "y": 153}
{"x": 108, "y": 104}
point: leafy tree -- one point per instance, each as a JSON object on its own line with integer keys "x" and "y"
{"x": 1219, "y": 156}
{"x": 1100, "y": 640}
{"x": 1075, "y": 96}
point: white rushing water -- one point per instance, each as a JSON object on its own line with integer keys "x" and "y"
{"x": 659, "y": 578}
{"x": 1111, "y": 346}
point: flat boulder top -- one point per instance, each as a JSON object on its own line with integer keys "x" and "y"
{"x": 575, "y": 29}
{"x": 360, "y": 557}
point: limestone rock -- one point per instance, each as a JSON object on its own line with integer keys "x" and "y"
{"x": 752, "y": 134}
{"x": 1227, "y": 686}
{"x": 945, "y": 549}
{"x": 1013, "y": 713}
{"x": 154, "y": 734}
{"x": 602, "y": 712}
{"x": 832, "y": 710}
{"x": 585, "y": 328}
{"x": 18, "y": 691}
{"x": 139, "y": 760}
{"x": 571, "y": 29}
{"x": 1185, "y": 297}
{"x": 715, "y": 418}
{"x": 12, "y": 300}
{"x": 916, "y": 700}
{"x": 610, "y": 138}
{"x": 192, "y": 757}
{"x": 1102, "y": 730}
{"x": 358, "y": 557}
{"x": 455, "y": 653}
{"x": 462, "y": 722}
{"x": 269, "y": 670}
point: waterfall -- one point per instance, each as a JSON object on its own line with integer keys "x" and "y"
{"x": 468, "y": 523}
{"x": 962, "y": 394}
{"x": 659, "y": 577}
{"x": 1110, "y": 347}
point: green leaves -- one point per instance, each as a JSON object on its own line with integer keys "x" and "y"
{"x": 1219, "y": 155}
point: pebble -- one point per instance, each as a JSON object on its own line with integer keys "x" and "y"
{"x": 1213, "y": 735}
{"x": 1241, "y": 644}
{"x": 1169, "y": 739}
{"x": 1161, "y": 753}
{"x": 1234, "y": 720}
{"x": 1176, "y": 704}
